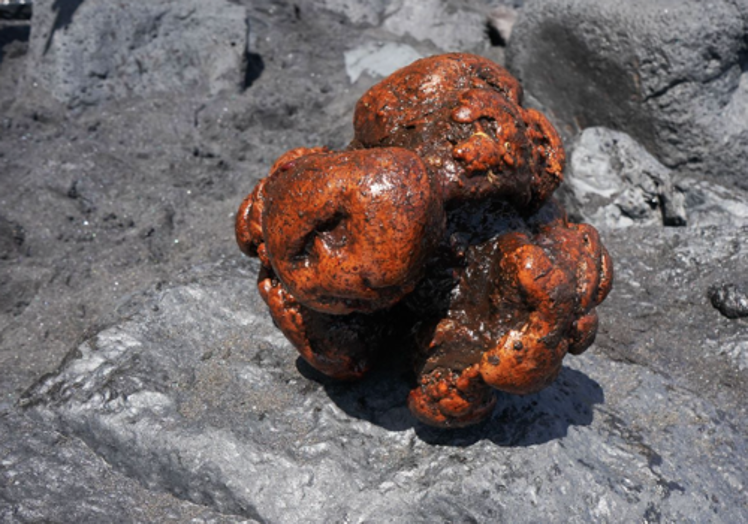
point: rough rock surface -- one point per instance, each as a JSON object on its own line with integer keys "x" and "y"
{"x": 46, "y": 476}
{"x": 730, "y": 300}
{"x": 114, "y": 198}
{"x": 11, "y": 238}
{"x": 115, "y": 207}
{"x": 613, "y": 182}
{"x": 198, "y": 395}
{"x": 617, "y": 183}
{"x": 357, "y": 11}
{"x": 115, "y": 51}
{"x": 447, "y": 26}
{"x": 673, "y": 75}
{"x": 661, "y": 312}
{"x": 378, "y": 59}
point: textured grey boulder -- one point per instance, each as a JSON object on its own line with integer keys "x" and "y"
{"x": 86, "y": 52}
{"x": 200, "y": 396}
{"x": 613, "y": 182}
{"x": 368, "y": 12}
{"x": 672, "y": 74}
{"x": 452, "y": 25}
{"x": 617, "y": 183}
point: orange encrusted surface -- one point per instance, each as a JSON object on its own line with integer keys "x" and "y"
{"x": 434, "y": 231}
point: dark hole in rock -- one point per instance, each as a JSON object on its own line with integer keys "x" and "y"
{"x": 494, "y": 36}
{"x": 12, "y": 34}
{"x": 254, "y": 66}
{"x": 16, "y": 10}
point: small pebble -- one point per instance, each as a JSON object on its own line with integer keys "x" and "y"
{"x": 731, "y": 301}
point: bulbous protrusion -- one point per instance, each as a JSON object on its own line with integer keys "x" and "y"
{"x": 437, "y": 222}
{"x": 461, "y": 113}
{"x": 351, "y": 231}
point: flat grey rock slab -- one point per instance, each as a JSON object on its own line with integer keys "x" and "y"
{"x": 46, "y": 476}
{"x": 200, "y": 396}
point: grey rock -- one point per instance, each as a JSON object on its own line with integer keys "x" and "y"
{"x": 660, "y": 315}
{"x": 46, "y": 476}
{"x": 364, "y": 12}
{"x": 12, "y": 236}
{"x": 86, "y": 52}
{"x": 672, "y": 74}
{"x": 378, "y": 59}
{"x": 615, "y": 182}
{"x": 13, "y": 47}
{"x": 452, "y": 25}
{"x": 709, "y": 203}
{"x": 731, "y": 301}
{"x": 673, "y": 205}
{"x": 17, "y": 290}
{"x": 200, "y": 396}
{"x": 502, "y": 19}
{"x": 514, "y": 4}
{"x": 155, "y": 181}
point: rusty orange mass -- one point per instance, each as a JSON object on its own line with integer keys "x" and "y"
{"x": 435, "y": 232}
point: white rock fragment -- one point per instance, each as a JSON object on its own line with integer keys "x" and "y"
{"x": 378, "y": 59}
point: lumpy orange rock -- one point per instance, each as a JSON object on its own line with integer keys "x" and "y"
{"x": 461, "y": 113}
{"x": 435, "y": 231}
